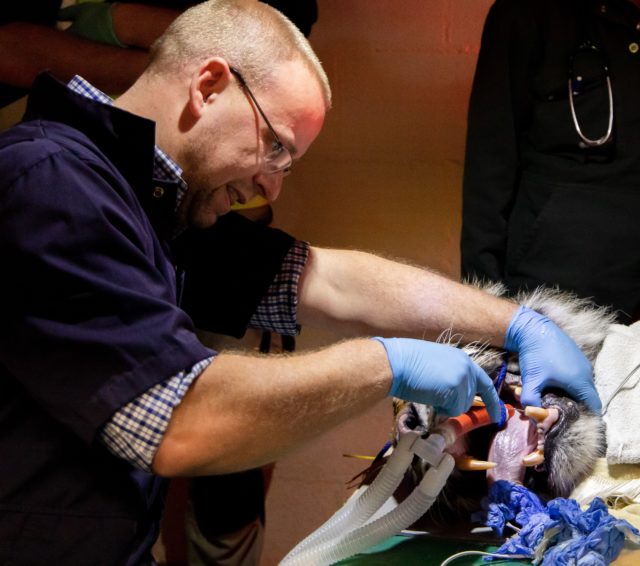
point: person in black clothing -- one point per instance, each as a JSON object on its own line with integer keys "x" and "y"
{"x": 551, "y": 197}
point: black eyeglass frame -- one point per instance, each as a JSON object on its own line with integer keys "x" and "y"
{"x": 277, "y": 147}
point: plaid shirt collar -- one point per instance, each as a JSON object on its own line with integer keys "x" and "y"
{"x": 164, "y": 168}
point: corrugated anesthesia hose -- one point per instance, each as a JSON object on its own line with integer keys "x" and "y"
{"x": 363, "y": 537}
{"x": 347, "y": 532}
{"x": 358, "y": 509}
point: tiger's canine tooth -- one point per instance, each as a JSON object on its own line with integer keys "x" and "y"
{"x": 537, "y": 413}
{"x": 535, "y": 458}
{"x": 467, "y": 463}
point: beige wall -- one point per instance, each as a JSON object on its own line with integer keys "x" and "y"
{"x": 384, "y": 175}
{"x": 9, "y": 115}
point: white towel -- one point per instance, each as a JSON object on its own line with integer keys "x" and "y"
{"x": 619, "y": 357}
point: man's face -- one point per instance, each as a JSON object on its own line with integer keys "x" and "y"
{"x": 223, "y": 158}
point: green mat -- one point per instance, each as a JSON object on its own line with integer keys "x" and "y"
{"x": 414, "y": 550}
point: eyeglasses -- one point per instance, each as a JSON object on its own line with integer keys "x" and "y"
{"x": 279, "y": 158}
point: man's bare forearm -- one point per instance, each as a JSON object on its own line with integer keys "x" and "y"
{"x": 356, "y": 293}
{"x": 244, "y": 411}
{"x": 28, "y": 49}
{"x": 139, "y": 25}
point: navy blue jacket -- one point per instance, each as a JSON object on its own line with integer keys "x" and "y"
{"x": 90, "y": 321}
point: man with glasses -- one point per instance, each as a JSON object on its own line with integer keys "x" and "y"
{"x": 114, "y": 231}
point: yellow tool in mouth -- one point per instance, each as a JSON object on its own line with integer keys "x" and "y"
{"x": 255, "y": 202}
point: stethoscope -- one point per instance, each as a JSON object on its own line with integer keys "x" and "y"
{"x": 573, "y": 82}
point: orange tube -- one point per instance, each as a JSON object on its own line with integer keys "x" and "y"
{"x": 474, "y": 418}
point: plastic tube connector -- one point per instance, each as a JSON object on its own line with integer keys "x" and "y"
{"x": 430, "y": 449}
{"x": 435, "y": 478}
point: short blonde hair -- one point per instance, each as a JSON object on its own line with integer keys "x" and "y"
{"x": 250, "y": 35}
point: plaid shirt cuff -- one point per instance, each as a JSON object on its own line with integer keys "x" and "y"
{"x": 277, "y": 310}
{"x": 136, "y": 430}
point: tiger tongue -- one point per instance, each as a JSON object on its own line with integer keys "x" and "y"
{"x": 508, "y": 447}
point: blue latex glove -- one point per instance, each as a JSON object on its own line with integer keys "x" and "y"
{"x": 549, "y": 358}
{"x": 91, "y": 20}
{"x": 438, "y": 375}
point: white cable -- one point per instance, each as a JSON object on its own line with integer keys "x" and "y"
{"x": 605, "y": 407}
{"x": 482, "y": 553}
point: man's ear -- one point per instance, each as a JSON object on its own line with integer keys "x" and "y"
{"x": 207, "y": 82}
